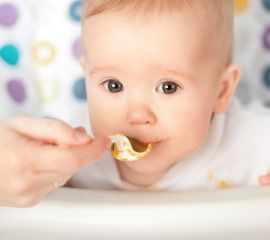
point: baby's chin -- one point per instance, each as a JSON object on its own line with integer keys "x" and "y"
{"x": 158, "y": 161}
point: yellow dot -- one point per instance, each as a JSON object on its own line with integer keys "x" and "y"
{"x": 44, "y": 53}
{"x": 47, "y": 90}
{"x": 240, "y": 6}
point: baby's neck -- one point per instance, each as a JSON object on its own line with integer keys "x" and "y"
{"x": 138, "y": 179}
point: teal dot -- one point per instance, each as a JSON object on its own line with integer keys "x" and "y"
{"x": 266, "y": 4}
{"x": 266, "y": 77}
{"x": 79, "y": 89}
{"x": 10, "y": 54}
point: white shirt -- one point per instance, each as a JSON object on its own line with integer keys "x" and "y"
{"x": 236, "y": 153}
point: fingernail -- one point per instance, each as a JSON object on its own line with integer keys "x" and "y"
{"x": 81, "y": 135}
{"x": 81, "y": 129}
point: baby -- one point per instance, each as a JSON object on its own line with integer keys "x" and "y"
{"x": 161, "y": 71}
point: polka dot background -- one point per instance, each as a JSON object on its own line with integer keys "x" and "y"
{"x": 52, "y": 83}
{"x": 40, "y": 47}
{"x": 252, "y": 49}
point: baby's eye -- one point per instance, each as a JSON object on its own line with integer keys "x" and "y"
{"x": 113, "y": 86}
{"x": 168, "y": 87}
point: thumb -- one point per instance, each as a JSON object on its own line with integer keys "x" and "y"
{"x": 48, "y": 130}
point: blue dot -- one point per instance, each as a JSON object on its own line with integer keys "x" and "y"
{"x": 75, "y": 10}
{"x": 10, "y": 54}
{"x": 266, "y": 77}
{"x": 266, "y": 4}
{"x": 79, "y": 89}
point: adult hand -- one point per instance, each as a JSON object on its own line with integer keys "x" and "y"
{"x": 38, "y": 155}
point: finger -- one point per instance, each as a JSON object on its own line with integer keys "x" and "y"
{"x": 51, "y": 181}
{"x": 265, "y": 179}
{"x": 49, "y": 130}
{"x": 61, "y": 159}
{"x": 90, "y": 153}
{"x": 40, "y": 186}
{"x": 27, "y": 183}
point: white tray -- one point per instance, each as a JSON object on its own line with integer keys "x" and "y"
{"x": 82, "y": 214}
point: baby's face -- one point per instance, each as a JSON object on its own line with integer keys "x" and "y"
{"x": 147, "y": 79}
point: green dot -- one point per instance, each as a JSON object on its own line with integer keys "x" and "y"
{"x": 10, "y": 54}
{"x": 47, "y": 90}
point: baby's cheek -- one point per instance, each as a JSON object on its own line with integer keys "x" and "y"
{"x": 198, "y": 134}
{"x": 98, "y": 118}
{"x": 100, "y": 124}
{"x": 191, "y": 136}
{"x": 104, "y": 121}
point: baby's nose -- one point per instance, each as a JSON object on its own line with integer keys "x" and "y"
{"x": 140, "y": 115}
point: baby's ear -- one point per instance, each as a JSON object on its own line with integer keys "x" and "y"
{"x": 226, "y": 88}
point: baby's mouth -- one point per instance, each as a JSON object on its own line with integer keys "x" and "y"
{"x": 137, "y": 145}
{"x": 150, "y": 141}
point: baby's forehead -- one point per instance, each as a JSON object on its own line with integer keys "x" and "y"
{"x": 215, "y": 18}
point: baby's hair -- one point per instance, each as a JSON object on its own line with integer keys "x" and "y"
{"x": 217, "y": 16}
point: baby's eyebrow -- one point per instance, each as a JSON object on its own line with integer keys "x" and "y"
{"x": 164, "y": 70}
{"x": 103, "y": 69}
{"x": 175, "y": 72}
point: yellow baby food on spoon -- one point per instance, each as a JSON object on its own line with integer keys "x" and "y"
{"x": 128, "y": 149}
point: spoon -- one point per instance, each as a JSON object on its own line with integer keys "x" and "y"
{"x": 128, "y": 149}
